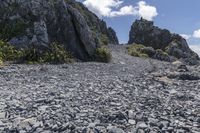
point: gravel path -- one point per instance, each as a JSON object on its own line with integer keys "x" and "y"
{"x": 127, "y": 95}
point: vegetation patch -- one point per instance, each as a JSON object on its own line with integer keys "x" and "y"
{"x": 104, "y": 40}
{"x": 137, "y": 50}
{"x": 161, "y": 55}
{"x": 103, "y": 54}
{"x": 8, "y": 52}
{"x": 55, "y": 54}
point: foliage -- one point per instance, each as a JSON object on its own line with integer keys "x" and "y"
{"x": 104, "y": 39}
{"x": 8, "y": 52}
{"x": 103, "y": 55}
{"x": 162, "y": 52}
{"x": 55, "y": 54}
{"x": 136, "y": 50}
{"x": 1, "y": 61}
{"x": 161, "y": 55}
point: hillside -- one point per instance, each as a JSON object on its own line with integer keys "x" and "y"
{"x": 129, "y": 94}
{"x": 62, "y": 71}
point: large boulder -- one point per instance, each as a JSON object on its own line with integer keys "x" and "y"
{"x": 144, "y": 32}
{"x": 41, "y": 22}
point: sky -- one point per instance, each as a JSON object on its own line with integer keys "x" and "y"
{"x": 178, "y": 16}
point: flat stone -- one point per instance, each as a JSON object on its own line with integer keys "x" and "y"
{"x": 2, "y": 115}
{"x": 142, "y": 125}
{"x": 115, "y": 130}
{"x": 132, "y": 122}
{"x": 1, "y": 124}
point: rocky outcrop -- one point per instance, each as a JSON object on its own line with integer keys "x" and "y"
{"x": 112, "y": 36}
{"x": 97, "y": 25}
{"x": 41, "y": 22}
{"x": 144, "y": 32}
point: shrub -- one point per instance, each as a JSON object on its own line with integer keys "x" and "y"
{"x": 136, "y": 50}
{"x": 161, "y": 55}
{"x": 1, "y": 61}
{"x": 55, "y": 54}
{"x": 103, "y": 55}
{"x": 162, "y": 52}
{"x": 8, "y": 52}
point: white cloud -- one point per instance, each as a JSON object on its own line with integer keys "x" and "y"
{"x": 185, "y": 36}
{"x": 126, "y": 10}
{"x": 146, "y": 11}
{"x": 114, "y": 8}
{"x": 196, "y": 34}
{"x": 195, "y": 48}
{"x": 102, "y": 7}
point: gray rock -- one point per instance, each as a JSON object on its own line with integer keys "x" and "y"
{"x": 112, "y": 36}
{"x": 182, "y": 68}
{"x": 144, "y": 32}
{"x": 188, "y": 76}
{"x": 46, "y": 21}
{"x": 141, "y": 125}
{"x": 132, "y": 122}
{"x": 114, "y": 130}
{"x": 2, "y": 115}
{"x": 90, "y": 130}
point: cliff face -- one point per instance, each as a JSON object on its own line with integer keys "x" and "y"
{"x": 97, "y": 25}
{"x": 144, "y": 32}
{"x": 40, "y": 22}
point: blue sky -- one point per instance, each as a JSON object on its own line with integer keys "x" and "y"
{"x": 178, "y": 16}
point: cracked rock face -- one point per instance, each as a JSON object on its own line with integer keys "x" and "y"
{"x": 144, "y": 32}
{"x": 41, "y": 22}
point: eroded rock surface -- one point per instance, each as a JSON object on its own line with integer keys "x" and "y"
{"x": 144, "y": 32}
{"x": 40, "y": 22}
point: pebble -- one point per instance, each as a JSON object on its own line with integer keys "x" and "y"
{"x": 132, "y": 122}
{"x": 142, "y": 125}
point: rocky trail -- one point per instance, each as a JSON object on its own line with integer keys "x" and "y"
{"x": 127, "y": 95}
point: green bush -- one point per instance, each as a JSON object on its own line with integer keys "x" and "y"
{"x": 162, "y": 52}
{"x": 8, "y": 52}
{"x": 103, "y": 55}
{"x": 55, "y": 54}
{"x": 136, "y": 50}
{"x": 1, "y": 61}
